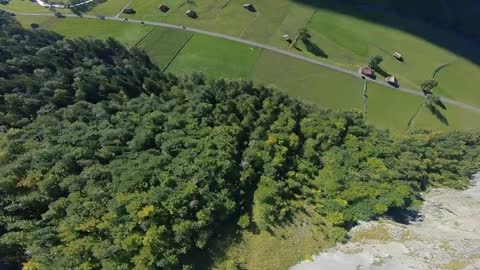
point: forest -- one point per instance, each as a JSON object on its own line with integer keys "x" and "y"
{"x": 108, "y": 163}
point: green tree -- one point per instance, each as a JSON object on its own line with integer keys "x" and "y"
{"x": 375, "y": 61}
{"x": 433, "y": 103}
{"x": 302, "y": 34}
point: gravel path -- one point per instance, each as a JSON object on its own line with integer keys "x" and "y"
{"x": 258, "y": 45}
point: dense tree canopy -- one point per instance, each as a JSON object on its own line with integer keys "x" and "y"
{"x": 106, "y": 163}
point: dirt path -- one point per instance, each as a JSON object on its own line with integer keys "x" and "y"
{"x": 448, "y": 237}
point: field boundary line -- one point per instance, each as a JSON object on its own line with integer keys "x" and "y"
{"x": 254, "y": 65}
{"x": 144, "y": 37}
{"x": 178, "y": 52}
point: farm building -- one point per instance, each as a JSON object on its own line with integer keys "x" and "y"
{"x": 367, "y": 72}
{"x": 391, "y": 80}
{"x": 191, "y": 13}
{"x": 128, "y": 11}
{"x": 397, "y": 55}
{"x": 287, "y": 38}
{"x": 164, "y": 8}
{"x": 249, "y": 7}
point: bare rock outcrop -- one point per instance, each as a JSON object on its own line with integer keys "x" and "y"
{"x": 446, "y": 237}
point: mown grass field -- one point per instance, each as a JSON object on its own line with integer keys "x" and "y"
{"x": 109, "y": 8}
{"x": 387, "y": 107}
{"x": 128, "y": 34}
{"x": 43, "y": 22}
{"x": 215, "y": 57}
{"x": 163, "y": 44}
{"x": 352, "y": 41}
{"x": 345, "y": 40}
{"x": 24, "y": 6}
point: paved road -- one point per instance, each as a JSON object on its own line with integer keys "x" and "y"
{"x": 258, "y": 45}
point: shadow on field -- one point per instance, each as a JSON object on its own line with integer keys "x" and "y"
{"x": 314, "y": 49}
{"x": 459, "y": 18}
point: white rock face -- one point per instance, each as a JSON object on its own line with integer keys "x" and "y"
{"x": 447, "y": 238}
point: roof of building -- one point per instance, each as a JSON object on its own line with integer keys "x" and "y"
{"x": 164, "y": 7}
{"x": 391, "y": 79}
{"x": 367, "y": 71}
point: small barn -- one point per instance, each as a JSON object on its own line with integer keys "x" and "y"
{"x": 249, "y": 7}
{"x": 128, "y": 11}
{"x": 164, "y": 8}
{"x": 367, "y": 72}
{"x": 191, "y": 13}
{"x": 398, "y": 55}
{"x": 391, "y": 80}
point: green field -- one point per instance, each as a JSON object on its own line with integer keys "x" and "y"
{"x": 128, "y": 34}
{"x": 215, "y": 57}
{"x": 163, "y": 44}
{"x": 221, "y": 58}
{"x": 24, "y": 6}
{"x": 346, "y": 40}
{"x": 109, "y": 8}
{"x": 43, "y": 22}
{"x": 387, "y": 107}
{"x": 362, "y": 39}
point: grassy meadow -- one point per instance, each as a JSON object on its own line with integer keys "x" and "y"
{"x": 163, "y": 44}
{"x": 43, "y": 22}
{"x": 109, "y": 7}
{"x": 128, "y": 34}
{"x": 387, "y": 108}
{"x": 24, "y": 6}
{"x": 215, "y": 57}
{"x": 317, "y": 85}
{"x": 343, "y": 39}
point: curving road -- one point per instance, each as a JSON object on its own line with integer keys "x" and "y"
{"x": 258, "y": 45}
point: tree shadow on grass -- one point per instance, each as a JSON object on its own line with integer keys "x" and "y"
{"x": 314, "y": 49}
{"x": 381, "y": 72}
